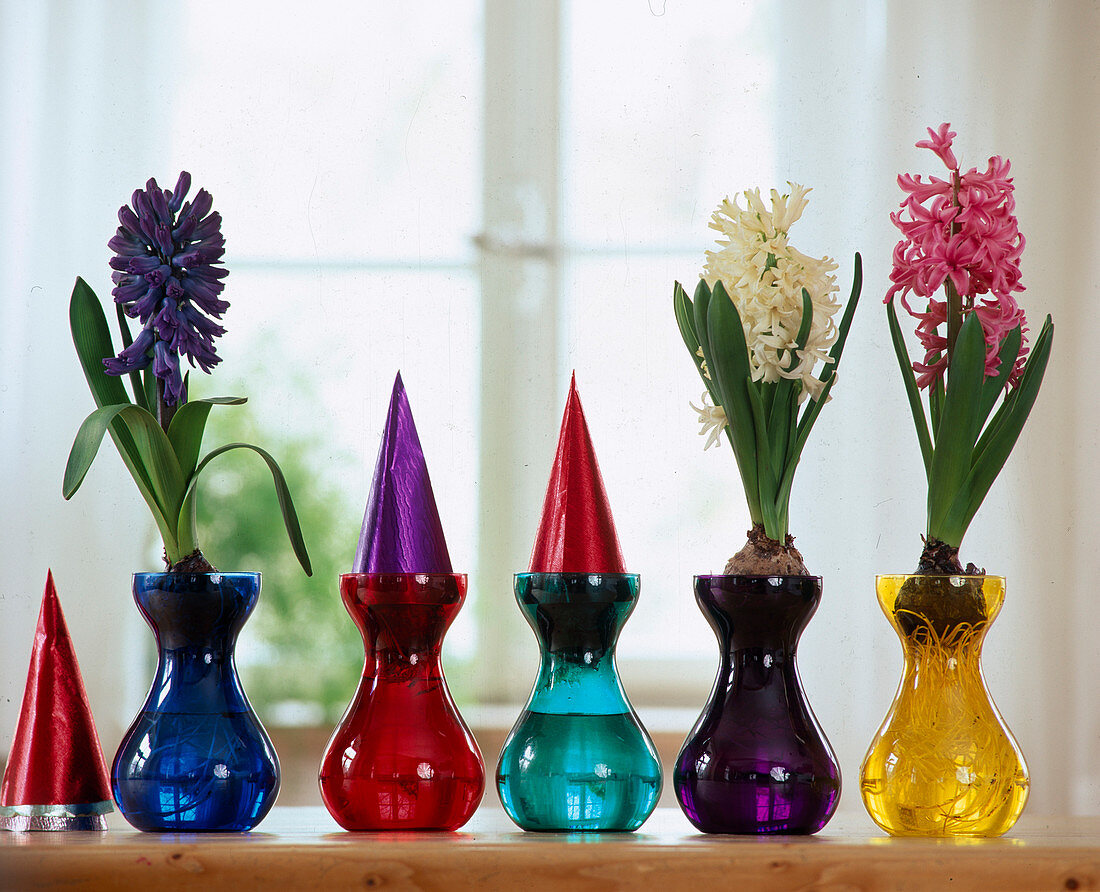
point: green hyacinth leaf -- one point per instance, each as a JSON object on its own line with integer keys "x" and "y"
{"x": 685, "y": 317}
{"x": 911, "y": 392}
{"x": 699, "y": 309}
{"x": 782, "y": 403}
{"x": 187, "y": 427}
{"x": 92, "y": 340}
{"x": 685, "y": 321}
{"x": 935, "y": 403}
{"x": 995, "y": 385}
{"x": 828, "y": 374}
{"x": 993, "y": 452}
{"x": 282, "y": 491}
{"x": 959, "y": 428}
{"x": 164, "y": 490}
{"x": 149, "y": 384}
{"x": 729, "y": 367}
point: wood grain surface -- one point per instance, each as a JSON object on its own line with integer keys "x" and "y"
{"x": 302, "y": 848}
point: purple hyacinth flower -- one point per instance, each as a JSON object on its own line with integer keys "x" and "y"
{"x": 168, "y": 276}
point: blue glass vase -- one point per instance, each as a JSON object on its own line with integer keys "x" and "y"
{"x": 578, "y": 758}
{"x": 196, "y": 757}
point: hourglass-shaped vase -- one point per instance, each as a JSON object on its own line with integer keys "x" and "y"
{"x": 401, "y": 757}
{"x": 578, "y": 758}
{"x": 196, "y": 757}
{"x": 943, "y": 763}
{"x": 757, "y": 761}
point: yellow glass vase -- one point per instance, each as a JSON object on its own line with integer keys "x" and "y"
{"x": 943, "y": 763}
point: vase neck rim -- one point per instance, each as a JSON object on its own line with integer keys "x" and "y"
{"x": 751, "y": 579}
{"x": 212, "y": 576}
{"x": 577, "y": 578}
{"x": 387, "y": 579}
{"x": 904, "y": 576}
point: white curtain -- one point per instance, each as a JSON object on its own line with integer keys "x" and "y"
{"x": 82, "y": 100}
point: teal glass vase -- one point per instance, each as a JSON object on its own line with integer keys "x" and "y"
{"x": 578, "y": 758}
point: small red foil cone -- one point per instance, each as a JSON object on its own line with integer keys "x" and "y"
{"x": 577, "y": 532}
{"x": 55, "y": 778}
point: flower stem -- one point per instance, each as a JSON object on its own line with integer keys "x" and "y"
{"x": 954, "y": 301}
{"x": 165, "y": 412}
{"x": 954, "y": 319}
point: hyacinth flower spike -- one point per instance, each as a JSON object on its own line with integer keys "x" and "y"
{"x": 168, "y": 276}
{"x": 960, "y": 234}
{"x": 761, "y": 333}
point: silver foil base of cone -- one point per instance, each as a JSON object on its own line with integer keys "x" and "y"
{"x": 25, "y": 823}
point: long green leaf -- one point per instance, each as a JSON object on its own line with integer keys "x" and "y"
{"x": 187, "y": 427}
{"x": 700, "y": 308}
{"x": 685, "y": 321}
{"x": 767, "y": 477}
{"x": 782, "y": 406}
{"x": 995, "y": 385}
{"x": 828, "y": 373}
{"x": 685, "y": 317}
{"x": 149, "y": 386}
{"x": 802, "y": 435}
{"x": 152, "y": 445}
{"x": 1004, "y": 412}
{"x": 165, "y": 490}
{"x": 915, "y": 405}
{"x": 990, "y": 456}
{"x": 92, "y": 340}
{"x": 935, "y": 404}
{"x": 729, "y": 367}
{"x": 286, "y": 504}
{"x": 959, "y": 427}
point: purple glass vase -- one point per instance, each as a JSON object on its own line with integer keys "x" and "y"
{"x": 757, "y": 761}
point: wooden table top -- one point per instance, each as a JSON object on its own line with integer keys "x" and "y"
{"x": 304, "y": 848}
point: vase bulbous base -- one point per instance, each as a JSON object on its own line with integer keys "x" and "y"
{"x": 943, "y": 763}
{"x": 578, "y": 758}
{"x": 757, "y": 762}
{"x": 196, "y": 758}
{"x": 578, "y": 773}
{"x": 402, "y": 758}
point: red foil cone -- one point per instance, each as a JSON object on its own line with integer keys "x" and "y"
{"x": 55, "y": 778}
{"x": 577, "y": 532}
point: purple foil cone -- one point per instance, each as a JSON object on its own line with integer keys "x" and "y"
{"x": 401, "y": 528}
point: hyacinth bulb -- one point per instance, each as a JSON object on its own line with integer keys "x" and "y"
{"x": 401, "y": 531}
{"x": 577, "y": 531}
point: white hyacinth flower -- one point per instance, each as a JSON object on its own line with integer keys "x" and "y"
{"x": 764, "y": 277}
{"x": 713, "y": 420}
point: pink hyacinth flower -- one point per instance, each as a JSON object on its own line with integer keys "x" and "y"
{"x": 961, "y": 230}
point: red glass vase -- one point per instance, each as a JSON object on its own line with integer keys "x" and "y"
{"x": 401, "y": 757}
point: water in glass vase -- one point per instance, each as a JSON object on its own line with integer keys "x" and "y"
{"x": 578, "y": 772}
